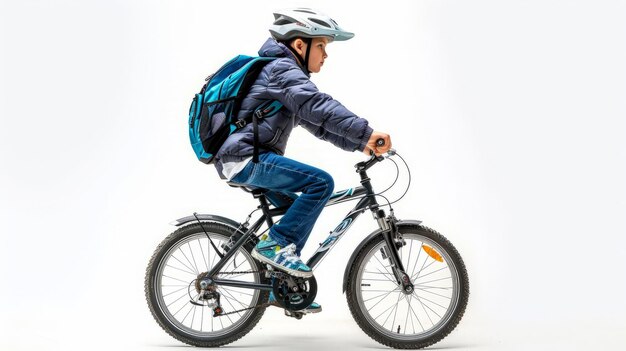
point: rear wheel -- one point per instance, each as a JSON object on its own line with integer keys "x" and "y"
{"x": 402, "y": 320}
{"x": 172, "y": 288}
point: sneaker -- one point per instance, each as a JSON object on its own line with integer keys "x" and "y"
{"x": 268, "y": 251}
{"x": 314, "y": 307}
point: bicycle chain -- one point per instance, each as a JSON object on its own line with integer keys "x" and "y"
{"x": 266, "y": 304}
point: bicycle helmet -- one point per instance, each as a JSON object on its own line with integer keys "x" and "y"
{"x": 306, "y": 23}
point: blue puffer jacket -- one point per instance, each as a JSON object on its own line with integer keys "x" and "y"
{"x": 285, "y": 80}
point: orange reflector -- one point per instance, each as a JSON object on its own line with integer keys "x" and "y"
{"x": 432, "y": 253}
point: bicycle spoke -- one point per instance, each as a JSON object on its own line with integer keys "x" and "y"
{"x": 385, "y": 267}
{"x": 430, "y": 292}
{"x": 193, "y": 318}
{"x": 231, "y": 261}
{"x": 182, "y": 270}
{"x": 203, "y": 257}
{"x": 416, "y": 317}
{"x": 379, "y": 272}
{"x": 208, "y": 252}
{"x": 427, "y": 274}
{"x": 166, "y": 276}
{"x": 408, "y": 262}
{"x": 428, "y": 265}
{"x": 202, "y": 319}
{"x": 390, "y": 307}
{"x": 379, "y": 280}
{"x": 371, "y": 298}
{"x": 406, "y": 320}
{"x": 234, "y": 298}
{"x": 215, "y": 256}
{"x": 183, "y": 252}
{"x": 238, "y": 292}
{"x": 193, "y": 257}
{"x": 434, "y": 303}
{"x": 383, "y": 298}
{"x": 422, "y": 268}
{"x": 181, "y": 262}
{"x": 419, "y": 252}
{"x": 430, "y": 287}
{"x": 185, "y": 294}
{"x": 233, "y": 307}
{"x": 175, "y": 291}
{"x": 436, "y": 280}
{"x": 396, "y": 313}
{"x": 191, "y": 308}
{"x": 178, "y": 300}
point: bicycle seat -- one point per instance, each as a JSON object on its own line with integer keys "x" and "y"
{"x": 247, "y": 188}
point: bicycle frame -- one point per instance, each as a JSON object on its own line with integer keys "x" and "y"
{"x": 367, "y": 201}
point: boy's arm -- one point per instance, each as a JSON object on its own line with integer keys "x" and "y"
{"x": 321, "y": 133}
{"x": 289, "y": 85}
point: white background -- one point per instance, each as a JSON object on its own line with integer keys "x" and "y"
{"x": 511, "y": 115}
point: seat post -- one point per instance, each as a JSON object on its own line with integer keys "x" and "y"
{"x": 265, "y": 207}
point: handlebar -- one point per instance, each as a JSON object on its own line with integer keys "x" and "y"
{"x": 365, "y": 165}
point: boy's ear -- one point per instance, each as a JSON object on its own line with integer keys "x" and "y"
{"x": 299, "y": 45}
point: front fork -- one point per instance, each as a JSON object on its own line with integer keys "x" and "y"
{"x": 393, "y": 241}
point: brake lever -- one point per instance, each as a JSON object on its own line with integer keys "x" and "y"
{"x": 391, "y": 152}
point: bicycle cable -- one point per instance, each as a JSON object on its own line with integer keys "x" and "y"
{"x": 389, "y": 203}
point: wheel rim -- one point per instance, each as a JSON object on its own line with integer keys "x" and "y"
{"x": 174, "y": 281}
{"x": 418, "y": 315}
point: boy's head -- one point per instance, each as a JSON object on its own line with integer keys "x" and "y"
{"x": 306, "y": 33}
{"x": 316, "y": 48}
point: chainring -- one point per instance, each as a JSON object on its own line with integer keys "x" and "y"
{"x": 293, "y": 293}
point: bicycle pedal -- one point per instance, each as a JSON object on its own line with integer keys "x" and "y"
{"x": 294, "y": 314}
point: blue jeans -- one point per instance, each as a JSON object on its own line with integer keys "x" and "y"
{"x": 284, "y": 177}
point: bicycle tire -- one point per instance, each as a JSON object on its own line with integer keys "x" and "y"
{"x": 160, "y": 314}
{"x": 373, "y": 329}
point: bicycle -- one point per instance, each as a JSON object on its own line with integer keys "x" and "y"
{"x": 406, "y": 285}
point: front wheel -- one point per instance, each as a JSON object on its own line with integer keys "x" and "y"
{"x": 402, "y": 320}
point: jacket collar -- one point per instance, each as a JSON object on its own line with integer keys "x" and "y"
{"x": 272, "y": 48}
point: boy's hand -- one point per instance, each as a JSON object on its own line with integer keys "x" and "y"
{"x": 371, "y": 144}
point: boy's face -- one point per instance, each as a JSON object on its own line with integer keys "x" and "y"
{"x": 317, "y": 55}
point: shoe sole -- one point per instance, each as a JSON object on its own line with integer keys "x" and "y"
{"x": 293, "y": 272}
{"x": 311, "y": 311}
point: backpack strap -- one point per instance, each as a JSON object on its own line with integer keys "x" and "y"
{"x": 266, "y": 109}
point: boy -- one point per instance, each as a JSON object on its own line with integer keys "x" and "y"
{"x": 299, "y": 39}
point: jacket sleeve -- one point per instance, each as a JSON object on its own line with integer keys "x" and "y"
{"x": 321, "y": 133}
{"x": 320, "y": 114}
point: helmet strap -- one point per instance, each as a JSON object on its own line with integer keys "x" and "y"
{"x": 304, "y": 62}
{"x": 309, "y": 41}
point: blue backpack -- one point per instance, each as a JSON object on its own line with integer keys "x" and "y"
{"x": 213, "y": 111}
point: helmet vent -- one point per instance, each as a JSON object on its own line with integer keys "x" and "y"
{"x": 321, "y": 23}
{"x": 305, "y": 11}
{"x": 282, "y": 21}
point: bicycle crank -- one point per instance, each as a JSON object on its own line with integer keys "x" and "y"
{"x": 294, "y": 293}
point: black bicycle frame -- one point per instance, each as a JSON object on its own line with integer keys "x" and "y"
{"x": 367, "y": 201}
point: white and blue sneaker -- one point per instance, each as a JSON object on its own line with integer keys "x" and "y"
{"x": 268, "y": 251}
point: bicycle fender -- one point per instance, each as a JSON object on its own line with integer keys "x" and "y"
{"x": 206, "y": 218}
{"x": 372, "y": 236}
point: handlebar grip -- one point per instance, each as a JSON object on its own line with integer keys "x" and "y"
{"x": 380, "y": 142}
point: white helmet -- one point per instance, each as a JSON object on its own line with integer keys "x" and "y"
{"x": 306, "y": 23}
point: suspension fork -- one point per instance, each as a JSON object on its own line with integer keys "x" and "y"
{"x": 390, "y": 233}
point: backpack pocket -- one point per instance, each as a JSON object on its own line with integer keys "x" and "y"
{"x": 215, "y": 127}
